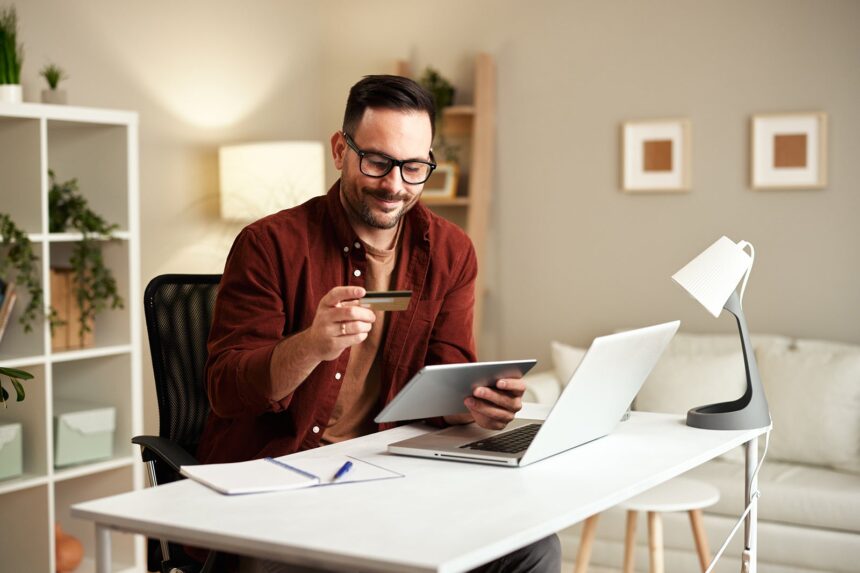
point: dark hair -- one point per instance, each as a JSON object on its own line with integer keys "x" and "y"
{"x": 387, "y": 92}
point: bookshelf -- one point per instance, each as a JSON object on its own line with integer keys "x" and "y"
{"x": 472, "y": 128}
{"x": 100, "y": 149}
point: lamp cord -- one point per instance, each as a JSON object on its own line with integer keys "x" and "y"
{"x": 753, "y": 496}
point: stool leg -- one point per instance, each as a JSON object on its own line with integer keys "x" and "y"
{"x": 630, "y": 542}
{"x": 701, "y": 538}
{"x": 655, "y": 541}
{"x": 585, "y": 541}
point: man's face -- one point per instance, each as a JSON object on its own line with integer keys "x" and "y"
{"x": 379, "y": 203}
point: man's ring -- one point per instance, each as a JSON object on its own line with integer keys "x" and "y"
{"x": 343, "y": 328}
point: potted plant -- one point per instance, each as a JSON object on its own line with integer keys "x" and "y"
{"x": 443, "y": 96}
{"x": 11, "y": 57}
{"x": 94, "y": 286}
{"x": 18, "y": 256}
{"x": 53, "y": 74}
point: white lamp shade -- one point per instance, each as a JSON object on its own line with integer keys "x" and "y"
{"x": 712, "y": 276}
{"x": 258, "y": 179}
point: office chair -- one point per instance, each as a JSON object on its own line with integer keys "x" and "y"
{"x": 178, "y": 311}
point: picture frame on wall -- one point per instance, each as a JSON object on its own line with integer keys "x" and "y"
{"x": 788, "y": 151}
{"x": 442, "y": 185}
{"x": 656, "y": 155}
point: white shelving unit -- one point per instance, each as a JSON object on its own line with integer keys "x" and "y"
{"x": 100, "y": 149}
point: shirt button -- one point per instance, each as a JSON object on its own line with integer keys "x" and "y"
{"x": 316, "y": 429}
{"x": 346, "y": 249}
{"x": 337, "y": 376}
{"x": 357, "y": 245}
{"x": 356, "y": 272}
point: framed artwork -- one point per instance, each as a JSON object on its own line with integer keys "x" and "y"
{"x": 442, "y": 185}
{"x": 656, "y": 155}
{"x": 789, "y": 151}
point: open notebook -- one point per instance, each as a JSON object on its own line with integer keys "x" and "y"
{"x": 285, "y": 472}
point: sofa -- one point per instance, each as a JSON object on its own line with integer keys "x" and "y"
{"x": 809, "y": 510}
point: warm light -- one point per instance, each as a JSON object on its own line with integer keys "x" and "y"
{"x": 259, "y": 179}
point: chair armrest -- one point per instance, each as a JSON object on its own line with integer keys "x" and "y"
{"x": 155, "y": 448}
{"x": 542, "y": 388}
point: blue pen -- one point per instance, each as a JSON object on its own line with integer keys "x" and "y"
{"x": 342, "y": 471}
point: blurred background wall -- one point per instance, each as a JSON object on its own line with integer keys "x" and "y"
{"x": 570, "y": 256}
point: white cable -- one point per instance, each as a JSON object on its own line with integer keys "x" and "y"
{"x": 753, "y": 496}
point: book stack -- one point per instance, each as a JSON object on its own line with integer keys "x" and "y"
{"x": 7, "y": 303}
{"x": 67, "y": 335}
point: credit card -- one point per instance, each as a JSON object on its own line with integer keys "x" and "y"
{"x": 387, "y": 300}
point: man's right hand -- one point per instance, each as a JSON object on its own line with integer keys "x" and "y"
{"x": 339, "y": 322}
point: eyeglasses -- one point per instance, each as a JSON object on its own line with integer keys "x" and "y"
{"x": 372, "y": 164}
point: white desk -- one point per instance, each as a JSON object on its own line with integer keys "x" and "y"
{"x": 443, "y": 516}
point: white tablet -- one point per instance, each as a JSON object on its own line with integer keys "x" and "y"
{"x": 440, "y": 390}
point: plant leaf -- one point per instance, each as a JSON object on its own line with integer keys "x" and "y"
{"x": 15, "y": 373}
{"x": 19, "y": 389}
{"x": 4, "y": 395}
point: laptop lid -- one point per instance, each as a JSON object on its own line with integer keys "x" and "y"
{"x": 601, "y": 389}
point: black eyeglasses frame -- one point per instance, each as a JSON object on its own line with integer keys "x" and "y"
{"x": 393, "y": 162}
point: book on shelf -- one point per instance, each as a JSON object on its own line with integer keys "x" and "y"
{"x": 9, "y": 297}
{"x": 66, "y": 336}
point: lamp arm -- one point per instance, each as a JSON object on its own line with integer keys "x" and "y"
{"x": 733, "y": 305}
{"x": 750, "y": 410}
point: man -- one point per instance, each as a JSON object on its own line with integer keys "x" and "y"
{"x": 294, "y": 360}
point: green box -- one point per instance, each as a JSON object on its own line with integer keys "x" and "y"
{"x": 83, "y": 432}
{"x": 11, "y": 451}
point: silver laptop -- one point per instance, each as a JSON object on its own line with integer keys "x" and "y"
{"x": 590, "y": 407}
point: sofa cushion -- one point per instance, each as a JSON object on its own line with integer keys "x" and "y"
{"x": 565, "y": 359}
{"x": 791, "y": 493}
{"x": 680, "y": 382}
{"x": 814, "y": 398}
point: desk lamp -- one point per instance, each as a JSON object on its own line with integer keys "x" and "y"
{"x": 712, "y": 279}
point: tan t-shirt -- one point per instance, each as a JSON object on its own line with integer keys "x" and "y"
{"x": 354, "y": 410}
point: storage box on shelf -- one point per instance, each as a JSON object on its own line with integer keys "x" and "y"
{"x": 99, "y": 149}
{"x": 11, "y": 453}
{"x": 809, "y": 512}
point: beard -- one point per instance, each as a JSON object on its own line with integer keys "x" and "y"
{"x": 359, "y": 203}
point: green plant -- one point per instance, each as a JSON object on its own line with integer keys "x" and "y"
{"x": 15, "y": 376}
{"x": 19, "y": 256}
{"x": 443, "y": 96}
{"x": 53, "y": 74}
{"x": 440, "y": 88}
{"x": 11, "y": 52}
{"x": 95, "y": 286}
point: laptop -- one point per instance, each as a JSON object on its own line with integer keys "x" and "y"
{"x": 590, "y": 407}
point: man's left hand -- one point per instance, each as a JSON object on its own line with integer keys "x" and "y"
{"x": 492, "y": 407}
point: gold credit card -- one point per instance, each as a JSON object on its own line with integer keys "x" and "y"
{"x": 386, "y": 300}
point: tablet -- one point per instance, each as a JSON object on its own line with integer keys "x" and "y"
{"x": 440, "y": 390}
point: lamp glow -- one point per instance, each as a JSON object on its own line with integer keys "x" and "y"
{"x": 259, "y": 179}
{"x": 712, "y": 279}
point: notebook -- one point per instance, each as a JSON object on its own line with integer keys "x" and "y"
{"x": 283, "y": 473}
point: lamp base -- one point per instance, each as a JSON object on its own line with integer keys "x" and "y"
{"x": 727, "y": 416}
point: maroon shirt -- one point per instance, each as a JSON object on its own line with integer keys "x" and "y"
{"x": 277, "y": 271}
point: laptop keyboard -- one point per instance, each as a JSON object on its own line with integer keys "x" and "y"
{"x": 507, "y": 442}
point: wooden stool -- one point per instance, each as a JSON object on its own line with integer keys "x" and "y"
{"x": 679, "y": 494}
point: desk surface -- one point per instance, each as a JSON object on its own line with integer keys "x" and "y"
{"x": 443, "y": 516}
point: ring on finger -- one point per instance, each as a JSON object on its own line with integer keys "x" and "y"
{"x": 343, "y": 328}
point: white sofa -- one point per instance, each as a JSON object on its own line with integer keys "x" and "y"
{"x": 809, "y": 511}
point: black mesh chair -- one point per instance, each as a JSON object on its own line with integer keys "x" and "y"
{"x": 178, "y": 310}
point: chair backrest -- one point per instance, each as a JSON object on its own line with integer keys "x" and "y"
{"x": 178, "y": 310}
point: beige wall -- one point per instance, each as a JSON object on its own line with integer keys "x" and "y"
{"x": 571, "y": 256}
